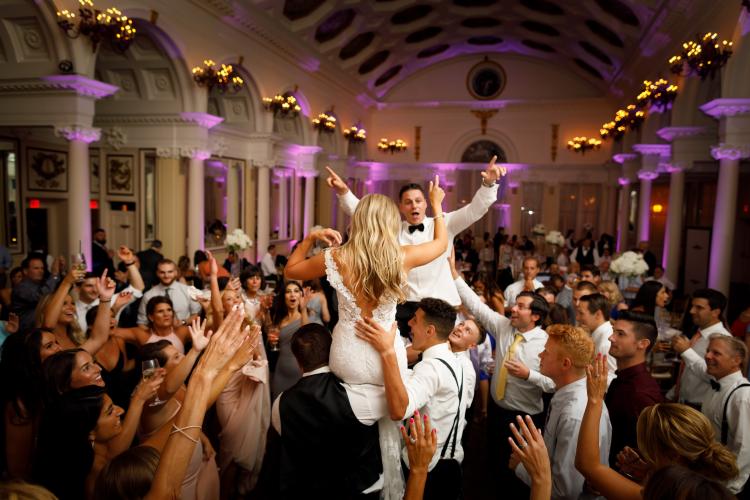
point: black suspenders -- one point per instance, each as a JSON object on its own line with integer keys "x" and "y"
{"x": 724, "y": 421}
{"x": 454, "y": 428}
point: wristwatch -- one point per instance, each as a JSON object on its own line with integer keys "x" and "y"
{"x": 484, "y": 183}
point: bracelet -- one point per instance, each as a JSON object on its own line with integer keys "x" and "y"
{"x": 105, "y": 301}
{"x": 439, "y": 216}
{"x": 182, "y": 430}
{"x": 487, "y": 185}
{"x": 128, "y": 264}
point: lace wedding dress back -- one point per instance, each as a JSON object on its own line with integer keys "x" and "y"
{"x": 353, "y": 360}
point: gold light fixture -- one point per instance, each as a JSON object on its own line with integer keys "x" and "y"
{"x": 629, "y": 118}
{"x": 702, "y": 56}
{"x": 659, "y": 94}
{"x": 396, "y": 146}
{"x": 98, "y": 25}
{"x": 355, "y": 134}
{"x": 282, "y": 105}
{"x": 325, "y": 122}
{"x": 223, "y": 78}
{"x": 584, "y": 144}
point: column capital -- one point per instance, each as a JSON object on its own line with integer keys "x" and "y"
{"x": 81, "y": 85}
{"x": 78, "y": 133}
{"x": 672, "y": 167}
{"x": 308, "y": 174}
{"x": 663, "y": 150}
{"x": 115, "y": 137}
{"x": 647, "y": 175}
{"x": 195, "y": 153}
{"x": 623, "y": 157}
{"x": 623, "y": 181}
{"x": 672, "y": 133}
{"x": 204, "y": 120}
{"x": 730, "y": 152}
{"x": 724, "y": 106}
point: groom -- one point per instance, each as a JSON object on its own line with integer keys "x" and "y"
{"x": 433, "y": 279}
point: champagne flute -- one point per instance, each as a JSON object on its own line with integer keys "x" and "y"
{"x": 78, "y": 261}
{"x": 148, "y": 368}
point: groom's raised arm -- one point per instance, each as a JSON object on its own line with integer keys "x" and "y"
{"x": 485, "y": 196}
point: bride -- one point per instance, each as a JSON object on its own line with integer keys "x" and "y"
{"x": 368, "y": 273}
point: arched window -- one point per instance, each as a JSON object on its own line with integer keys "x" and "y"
{"x": 482, "y": 152}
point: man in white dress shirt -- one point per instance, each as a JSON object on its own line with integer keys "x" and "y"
{"x": 727, "y": 406}
{"x": 183, "y": 306}
{"x": 693, "y": 384}
{"x": 528, "y": 283}
{"x": 437, "y": 386}
{"x": 268, "y": 262}
{"x": 433, "y": 279}
{"x": 517, "y": 385}
{"x": 566, "y": 354}
{"x": 592, "y": 315}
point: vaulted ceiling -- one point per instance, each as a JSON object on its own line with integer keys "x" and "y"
{"x": 381, "y": 42}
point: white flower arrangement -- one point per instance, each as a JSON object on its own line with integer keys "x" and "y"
{"x": 237, "y": 240}
{"x": 555, "y": 237}
{"x": 539, "y": 230}
{"x": 629, "y": 264}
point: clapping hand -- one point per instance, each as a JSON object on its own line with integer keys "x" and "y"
{"x": 529, "y": 448}
{"x": 493, "y": 172}
{"x": 335, "y": 182}
{"x": 249, "y": 349}
{"x": 329, "y": 236}
{"x": 224, "y": 344}
{"x": 197, "y": 333}
{"x": 421, "y": 442}
{"x": 596, "y": 378}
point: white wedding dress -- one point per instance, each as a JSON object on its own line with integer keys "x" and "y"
{"x": 357, "y": 363}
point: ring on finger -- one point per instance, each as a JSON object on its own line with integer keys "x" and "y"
{"x": 413, "y": 440}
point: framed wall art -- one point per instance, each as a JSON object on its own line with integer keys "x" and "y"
{"x": 120, "y": 175}
{"x": 48, "y": 170}
{"x": 486, "y": 80}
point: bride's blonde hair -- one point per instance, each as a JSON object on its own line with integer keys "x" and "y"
{"x": 373, "y": 256}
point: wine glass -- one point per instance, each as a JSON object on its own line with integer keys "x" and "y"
{"x": 273, "y": 345}
{"x": 148, "y": 368}
{"x": 78, "y": 261}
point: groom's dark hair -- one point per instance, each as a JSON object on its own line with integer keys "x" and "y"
{"x": 410, "y": 187}
{"x": 311, "y": 345}
{"x": 440, "y": 314}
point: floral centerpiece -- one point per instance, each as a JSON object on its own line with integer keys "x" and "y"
{"x": 555, "y": 237}
{"x": 237, "y": 240}
{"x": 539, "y": 230}
{"x": 629, "y": 264}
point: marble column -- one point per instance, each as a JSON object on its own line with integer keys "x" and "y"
{"x": 644, "y": 204}
{"x": 309, "y": 220}
{"x": 623, "y": 211}
{"x": 283, "y": 208}
{"x": 196, "y": 212}
{"x": 673, "y": 233}
{"x": 263, "y": 211}
{"x": 233, "y": 196}
{"x": 171, "y": 202}
{"x": 722, "y": 236}
{"x": 515, "y": 198}
{"x": 79, "y": 190}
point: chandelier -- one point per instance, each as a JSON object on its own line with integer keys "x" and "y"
{"x": 284, "y": 106}
{"x": 629, "y": 118}
{"x": 325, "y": 122}
{"x": 98, "y": 25}
{"x": 658, "y": 95}
{"x": 222, "y": 79}
{"x": 387, "y": 146}
{"x": 355, "y": 134}
{"x": 583, "y": 144}
{"x": 703, "y": 56}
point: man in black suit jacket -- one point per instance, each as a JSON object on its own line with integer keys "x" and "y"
{"x": 149, "y": 260}
{"x": 326, "y": 451}
{"x": 101, "y": 255}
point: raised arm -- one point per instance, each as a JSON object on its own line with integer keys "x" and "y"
{"x": 299, "y": 267}
{"x": 100, "y": 330}
{"x": 134, "y": 274}
{"x": 347, "y": 201}
{"x": 179, "y": 374}
{"x": 419, "y": 255}
{"x": 485, "y": 196}
{"x": 608, "y": 482}
{"x": 216, "y": 305}
{"x": 53, "y": 309}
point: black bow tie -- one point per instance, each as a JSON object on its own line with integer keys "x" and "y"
{"x": 416, "y": 227}
{"x": 715, "y": 385}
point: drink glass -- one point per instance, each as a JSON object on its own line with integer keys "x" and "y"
{"x": 78, "y": 261}
{"x": 148, "y": 368}
{"x": 273, "y": 345}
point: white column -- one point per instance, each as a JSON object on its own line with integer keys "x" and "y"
{"x": 309, "y": 220}
{"x": 233, "y": 197}
{"x": 283, "y": 205}
{"x": 196, "y": 213}
{"x": 644, "y": 203}
{"x": 673, "y": 233}
{"x": 263, "y": 211}
{"x": 722, "y": 236}
{"x": 79, "y": 190}
{"x": 623, "y": 211}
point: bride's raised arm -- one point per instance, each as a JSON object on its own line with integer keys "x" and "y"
{"x": 298, "y": 267}
{"x": 419, "y": 255}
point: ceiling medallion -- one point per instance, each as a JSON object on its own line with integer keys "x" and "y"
{"x": 486, "y": 80}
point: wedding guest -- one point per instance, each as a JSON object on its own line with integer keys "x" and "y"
{"x": 675, "y": 482}
{"x": 650, "y": 296}
{"x": 7, "y": 283}
{"x": 580, "y": 289}
{"x": 529, "y": 283}
{"x": 268, "y": 261}
{"x": 318, "y": 304}
{"x": 185, "y": 309}
{"x": 592, "y": 314}
{"x": 611, "y": 292}
{"x": 661, "y": 277}
{"x": 27, "y": 293}
{"x": 149, "y": 259}
{"x": 591, "y": 273}
{"x": 648, "y": 256}
{"x": 101, "y": 256}
{"x": 585, "y": 253}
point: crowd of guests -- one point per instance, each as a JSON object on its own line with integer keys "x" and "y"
{"x": 150, "y": 378}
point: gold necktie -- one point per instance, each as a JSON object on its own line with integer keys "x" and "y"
{"x": 503, "y": 377}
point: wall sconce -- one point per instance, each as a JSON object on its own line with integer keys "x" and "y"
{"x": 702, "y": 56}
{"x": 387, "y": 146}
{"x": 98, "y": 25}
{"x": 222, "y": 79}
{"x": 659, "y": 94}
{"x": 283, "y": 105}
{"x": 629, "y": 118}
{"x": 355, "y": 134}
{"x": 325, "y": 122}
{"x": 657, "y": 208}
{"x": 583, "y": 144}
